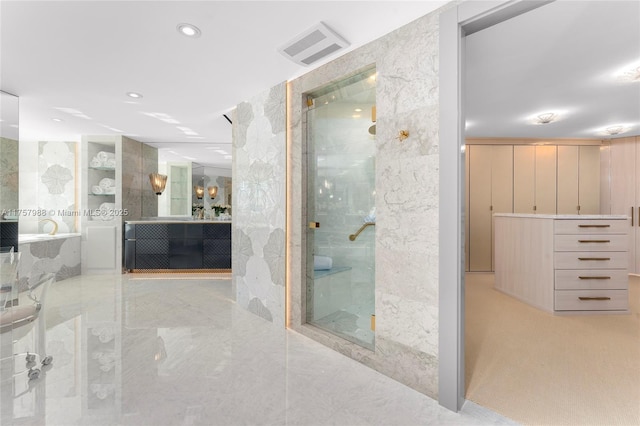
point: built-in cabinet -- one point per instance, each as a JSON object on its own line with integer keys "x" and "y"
{"x": 101, "y": 213}
{"x": 624, "y": 172}
{"x": 563, "y": 264}
{"x": 578, "y": 179}
{"x": 492, "y": 179}
{"x": 535, "y": 178}
{"x": 176, "y": 199}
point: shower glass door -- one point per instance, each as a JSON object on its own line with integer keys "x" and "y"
{"x": 341, "y": 209}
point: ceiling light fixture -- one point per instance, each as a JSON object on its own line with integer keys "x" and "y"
{"x": 630, "y": 73}
{"x": 616, "y": 130}
{"x": 57, "y": 120}
{"x": 134, "y": 95}
{"x": 546, "y": 118}
{"x": 189, "y": 30}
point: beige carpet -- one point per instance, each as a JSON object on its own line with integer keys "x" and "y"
{"x": 541, "y": 369}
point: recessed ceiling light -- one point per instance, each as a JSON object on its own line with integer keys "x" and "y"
{"x": 134, "y": 95}
{"x": 358, "y": 110}
{"x": 189, "y": 30}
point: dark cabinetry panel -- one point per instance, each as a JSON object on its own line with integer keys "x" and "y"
{"x": 178, "y": 246}
{"x": 9, "y": 235}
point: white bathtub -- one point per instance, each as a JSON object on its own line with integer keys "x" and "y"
{"x": 34, "y": 238}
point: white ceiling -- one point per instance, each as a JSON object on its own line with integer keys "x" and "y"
{"x": 560, "y": 57}
{"x": 76, "y": 60}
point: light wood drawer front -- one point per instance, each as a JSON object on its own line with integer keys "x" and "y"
{"x": 592, "y": 279}
{"x": 591, "y": 300}
{"x": 612, "y": 242}
{"x": 585, "y": 226}
{"x": 591, "y": 260}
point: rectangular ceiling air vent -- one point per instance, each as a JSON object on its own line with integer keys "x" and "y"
{"x": 313, "y": 45}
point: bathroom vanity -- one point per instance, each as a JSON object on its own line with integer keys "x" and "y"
{"x": 174, "y": 245}
{"x": 564, "y": 263}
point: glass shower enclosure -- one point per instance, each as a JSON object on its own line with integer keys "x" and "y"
{"x": 341, "y": 208}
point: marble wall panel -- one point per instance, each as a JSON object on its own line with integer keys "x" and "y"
{"x": 259, "y": 203}
{"x": 49, "y": 182}
{"x": 149, "y": 165}
{"x": 138, "y": 160}
{"x": 9, "y": 176}
{"x": 58, "y": 256}
{"x": 407, "y": 179}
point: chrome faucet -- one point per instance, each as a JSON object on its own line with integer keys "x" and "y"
{"x": 55, "y": 225}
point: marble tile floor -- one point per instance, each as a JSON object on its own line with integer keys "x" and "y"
{"x": 176, "y": 350}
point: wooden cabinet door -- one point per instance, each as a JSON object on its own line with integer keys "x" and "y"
{"x": 623, "y": 175}
{"x": 524, "y": 161}
{"x": 545, "y": 179}
{"x": 634, "y": 266}
{"x": 501, "y": 186}
{"x": 567, "y": 179}
{"x": 480, "y": 207}
{"x": 466, "y": 207}
{"x": 589, "y": 180}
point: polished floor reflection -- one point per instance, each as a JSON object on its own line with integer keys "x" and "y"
{"x": 176, "y": 350}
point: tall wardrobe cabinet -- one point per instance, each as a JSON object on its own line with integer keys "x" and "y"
{"x": 490, "y": 190}
{"x": 625, "y": 191}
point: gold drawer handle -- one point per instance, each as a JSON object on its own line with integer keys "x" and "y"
{"x": 594, "y": 226}
{"x": 595, "y": 278}
{"x": 594, "y": 241}
{"x": 595, "y": 298}
{"x": 594, "y": 258}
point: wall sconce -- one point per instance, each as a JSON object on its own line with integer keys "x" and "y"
{"x": 199, "y": 192}
{"x": 213, "y": 191}
{"x": 158, "y": 182}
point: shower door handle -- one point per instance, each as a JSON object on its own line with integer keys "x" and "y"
{"x": 353, "y": 237}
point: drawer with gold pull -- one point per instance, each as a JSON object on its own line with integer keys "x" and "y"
{"x": 591, "y": 300}
{"x": 591, "y": 259}
{"x": 591, "y": 279}
{"x": 585, "y": 226}
{"x": 591, "y": 242}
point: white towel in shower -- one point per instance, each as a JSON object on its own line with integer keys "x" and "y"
{"x": 322, "y": 263}
{"x": 95, "y": 162}
{"x": 97, "y": 189}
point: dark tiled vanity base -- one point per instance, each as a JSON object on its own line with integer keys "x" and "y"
{"x": 177, "y": 246}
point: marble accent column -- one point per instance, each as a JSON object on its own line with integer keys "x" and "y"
{"x": 259, "y": 173}
{"x": 8, "y": 173}
{"x": 138, "y": 160}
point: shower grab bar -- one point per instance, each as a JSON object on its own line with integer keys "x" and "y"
{"x": 353, "y": 237}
